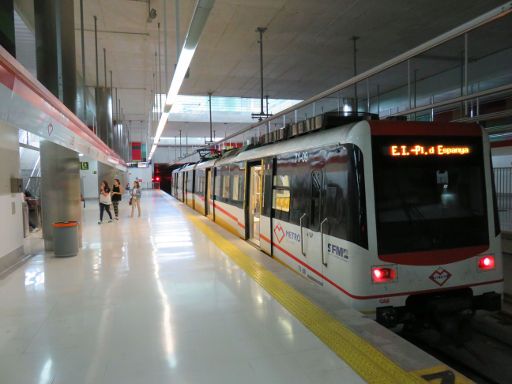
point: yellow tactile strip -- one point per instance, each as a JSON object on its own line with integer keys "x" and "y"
{"x": 367, "y": 361}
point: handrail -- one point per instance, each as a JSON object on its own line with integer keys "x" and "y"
{"x": 19, "y": 72}
{"x": 322, "y": 241}
{"x": 301, "y": 234}
{"x": 477, "y": 22}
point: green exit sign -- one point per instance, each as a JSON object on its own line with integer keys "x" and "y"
{"x": 84, "y": 165}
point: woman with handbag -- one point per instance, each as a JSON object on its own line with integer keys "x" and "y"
{"x": 135, "y": 197}
{"x": 105, "y": 201}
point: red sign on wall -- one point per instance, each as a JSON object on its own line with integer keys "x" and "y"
{"x": 136, "y": 151}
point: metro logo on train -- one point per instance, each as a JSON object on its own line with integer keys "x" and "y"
{"x": 279, "y": 232}
{"x": 440, "y": 276}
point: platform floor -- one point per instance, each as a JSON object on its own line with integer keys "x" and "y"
{"x": 151, "y": 300}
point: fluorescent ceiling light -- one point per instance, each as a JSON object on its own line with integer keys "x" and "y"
{"x": 195, "y": 29}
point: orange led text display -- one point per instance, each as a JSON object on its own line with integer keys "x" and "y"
{"x": 430, "y": 150}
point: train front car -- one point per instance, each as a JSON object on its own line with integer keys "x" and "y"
{"x": 438, "y": 253}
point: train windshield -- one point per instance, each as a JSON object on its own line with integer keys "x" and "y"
{"x": 429, "y": 193}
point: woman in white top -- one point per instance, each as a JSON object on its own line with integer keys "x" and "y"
{"x": 105, "y": 201}
{"x": 136, "y": 194}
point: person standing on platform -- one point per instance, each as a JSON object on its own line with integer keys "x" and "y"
{"x": 135, "y": 199}
{"x": 105, "y": 201}
{"x": 117, "y": 195}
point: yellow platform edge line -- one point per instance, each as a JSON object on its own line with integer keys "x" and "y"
{"x": 366, "y": 360}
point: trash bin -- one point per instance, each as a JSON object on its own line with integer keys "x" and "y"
{"x": 65, "y": 238}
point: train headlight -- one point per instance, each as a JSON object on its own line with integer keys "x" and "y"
{"x": 383, "y": 274}
{"x": 486, "y": 263}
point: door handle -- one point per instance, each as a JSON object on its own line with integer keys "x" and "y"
{"x": 322, "y": 240}
{"x": 301, "y": 235}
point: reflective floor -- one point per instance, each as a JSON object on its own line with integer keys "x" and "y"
{"x": 151, "y": 300}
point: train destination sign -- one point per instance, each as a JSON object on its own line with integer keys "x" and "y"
{"x": 428, "y": 150}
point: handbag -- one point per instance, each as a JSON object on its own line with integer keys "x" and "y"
{"x": 130, "y": 202}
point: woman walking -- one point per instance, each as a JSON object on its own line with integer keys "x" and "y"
{"x": 105, "y": 201}
{"x": 117, "y": 195}
{"x": 135, "y": 200}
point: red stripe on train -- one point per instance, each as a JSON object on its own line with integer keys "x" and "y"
{"x": 232, "y": 217}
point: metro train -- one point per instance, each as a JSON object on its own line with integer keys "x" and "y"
{"x": 397, "y": 218}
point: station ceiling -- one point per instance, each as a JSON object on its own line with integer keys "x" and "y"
{"x": 307, "y": 46}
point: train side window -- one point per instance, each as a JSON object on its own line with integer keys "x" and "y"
{"x": 236, "y": 184}
{"x": 333, "y": 203}
{"x": 267, "y": 202}
{"x": 218, "y": 184}
{"x": 225, "y": 186}
{"x": 316, "y": 195}
{"x": 281, "y": 200}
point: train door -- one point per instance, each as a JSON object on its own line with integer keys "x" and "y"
{"x": 312, "y": 225}
{"x": 254, "y": 203}
{"x": 208, "y": 201}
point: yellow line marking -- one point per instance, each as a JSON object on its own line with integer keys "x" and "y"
{"x": 367, "y": 361}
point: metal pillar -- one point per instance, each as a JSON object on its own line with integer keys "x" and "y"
{"x": 55, "y": 48}
{"x": 261, "y": 115}
{"x": 82, "y": 45}
{"x": 166, "y": 64}
{"x": 159, "y": 73}
{"x": 105, "y": 66}
{"x": 210, "y": 109}
{"x": 261, "y": 31}
{"x": 96, "y": 50}
{"x": 7, "y": 26}
{"x": 354, "y": 40}
{"x": 60, "y": 188}
{"x": 178, "y": 46}
{"x": 104, "y": 114}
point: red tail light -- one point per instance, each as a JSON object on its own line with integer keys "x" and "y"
{"x": 383, "y": 274}
{"x": 487, "y": 262}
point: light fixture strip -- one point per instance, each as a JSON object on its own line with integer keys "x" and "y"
{"x": 195, "y": 29}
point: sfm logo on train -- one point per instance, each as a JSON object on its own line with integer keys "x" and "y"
{"x": 337, "y": 251}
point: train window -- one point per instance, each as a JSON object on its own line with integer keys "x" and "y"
{"x": 281, "y": 200}
{"x": 217, "y": 184}
{"x": 333, "y": 203}
{"x": 296, "y": 175}
{"x": 497, "y": 227}
{"x": 342, "y": 198}
{"x": 425, "y": 203}
{"x": 236, "y": 188}
{"x": 316, "y": 194}
{"x": 267, "y": 187}
{"x": 225, "y": 186}
{"x": 282, "y": 181}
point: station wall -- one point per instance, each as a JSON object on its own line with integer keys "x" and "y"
{"x": 89, "y": 179}
{"x": 146, "y": 174}
{"x": 11, "y": 216}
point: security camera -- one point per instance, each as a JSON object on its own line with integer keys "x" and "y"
{"x": 151, "y": 15}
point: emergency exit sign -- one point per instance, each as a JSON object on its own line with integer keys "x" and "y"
{"x": 84, "y": 165}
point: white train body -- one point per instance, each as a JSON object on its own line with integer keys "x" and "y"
{"x": 365, "y": 211}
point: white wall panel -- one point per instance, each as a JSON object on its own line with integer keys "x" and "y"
{"x": 11, "y": 218}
